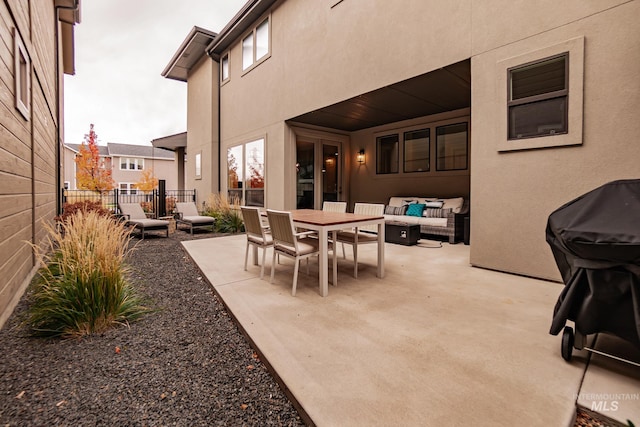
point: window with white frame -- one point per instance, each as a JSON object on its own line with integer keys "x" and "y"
{"x": 127, "y": 188}
{"x": 131, "y": 164}
{"x": 22, "y": 72}
{"x": 256, "y": 45}
{"x": 245, "y": 173}
{"x": 198, "y": 165}
{"x": 224, "y": 68}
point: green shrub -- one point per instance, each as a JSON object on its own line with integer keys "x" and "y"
{"x": 226, "y": 213}
{"x": 82, "y": 287}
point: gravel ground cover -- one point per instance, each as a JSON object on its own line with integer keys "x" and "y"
{"x": 185, "y": 364}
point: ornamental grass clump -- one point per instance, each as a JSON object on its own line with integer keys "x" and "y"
{"x": 82, "y": 288}
{"x": 226, "y": 212}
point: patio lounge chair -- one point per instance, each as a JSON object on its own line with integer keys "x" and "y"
{"x": 287, "y": 242}
{"x": 258, "y": 234}
{"x": 136, "y": 217}
{"x": 189, "y": 215}
{"x": 355, "y": 237}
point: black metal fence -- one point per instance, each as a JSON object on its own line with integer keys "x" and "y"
{"x": 151, "y": 202}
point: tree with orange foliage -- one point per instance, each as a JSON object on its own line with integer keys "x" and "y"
{"x": 148, "y": 182}
{"x": 91, "y": 172}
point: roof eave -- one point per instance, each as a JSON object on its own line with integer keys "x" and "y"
{"x": 241, "y": 22}
{"x": 173, "y": 70}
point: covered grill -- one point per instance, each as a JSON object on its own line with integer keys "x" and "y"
{"x": 595, "y": 240}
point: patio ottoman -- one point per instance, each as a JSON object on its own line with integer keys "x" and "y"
{"x": 401, "y": 233}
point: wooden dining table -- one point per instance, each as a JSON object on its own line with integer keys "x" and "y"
{"x": 331, "y": 222}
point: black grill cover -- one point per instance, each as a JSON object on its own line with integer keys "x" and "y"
{"x": 595, "y": 240}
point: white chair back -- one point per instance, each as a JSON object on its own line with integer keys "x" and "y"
{"x": 369, "y": 209}
{"x": 340, "y": 207}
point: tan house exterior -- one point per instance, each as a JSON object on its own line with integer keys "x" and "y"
{"x": 127, "y": 162}
{"x": 37, "y": 49}
{"x": 330, "y": 78}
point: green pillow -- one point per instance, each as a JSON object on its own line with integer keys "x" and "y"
{"x": 415, "y": 209}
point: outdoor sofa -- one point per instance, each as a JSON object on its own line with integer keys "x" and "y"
{"x": 436, "y": 216}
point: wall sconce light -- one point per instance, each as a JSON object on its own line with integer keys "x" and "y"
{"x": 360, "y": 157}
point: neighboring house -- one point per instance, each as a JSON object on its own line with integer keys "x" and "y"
{"x": 127, "y": 163}
{"x": 37, "y": 49}
{"x": 519, "y": 106}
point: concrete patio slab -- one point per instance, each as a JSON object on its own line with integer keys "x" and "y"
{"x": 435, "y": 342}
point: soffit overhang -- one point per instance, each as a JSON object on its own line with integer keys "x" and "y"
{"x": 439, "y": 91}
{"x": 192, "y": 49}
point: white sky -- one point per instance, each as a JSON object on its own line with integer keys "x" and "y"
{"x": 122, "y": 46}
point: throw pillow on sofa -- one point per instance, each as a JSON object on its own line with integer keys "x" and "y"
{"x": 436, "y": 213}
{"x": 395, "y": 210}
{"x": 434, "y": 204}
{"x": 415, "y": 209}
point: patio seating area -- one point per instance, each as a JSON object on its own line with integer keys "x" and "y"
{"x": 434, "y": 342}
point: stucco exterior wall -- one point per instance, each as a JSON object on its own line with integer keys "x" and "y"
{"x": 514, "y": 192}
{"x": 202, "y": 128}
{"x": 324, "y": 52}
{"x": 322, "y": 55}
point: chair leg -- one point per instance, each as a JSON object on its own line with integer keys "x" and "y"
{"x": 246, "y": 256}
{"x": 273, "y": 266}
{"x": 344, "y": 256}
{"x": 264, "y": 253}
{"x": 295, "y": 276}
{"x": 335, "y": 266}
{"x": 355, "y": 261}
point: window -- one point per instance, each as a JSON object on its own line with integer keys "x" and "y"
{"x": 224, "y": 68}
{"x": 255, "y": 46}
{"x": 131, "y": 164}
{"x": 387, "y": 154}
{"x": 416, "y": 151}
{"x": 198, "y": 165}
{"x": 127, "y": 188}
{"x": 451, "y": 147}
{"x": 245, "y": 173}
{"x": 22, "y": 71}
{"x": 536, "y": 109}
{"x": 538, "y": 98}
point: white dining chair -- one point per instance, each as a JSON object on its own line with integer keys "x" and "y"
{"x": 360, "y": 235}
{"x": 258, "y": 234}
{"x": 291, "y": 244}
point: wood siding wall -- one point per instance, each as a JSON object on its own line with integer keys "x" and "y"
{"x": 28, "y": 163}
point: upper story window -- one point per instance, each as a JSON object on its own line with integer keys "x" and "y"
{"x": 131, "y": 164}
{"x": 256, "y": 45}
{"x": 224, "y": 68}
{"x": 538, "y": 95}
{"x": 22, "y": 70}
